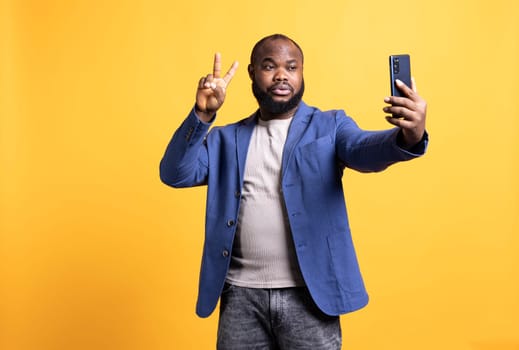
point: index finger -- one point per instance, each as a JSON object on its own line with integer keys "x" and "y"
{"x": 230, "y": 73}
{"x": 217, "y": 66}
{"x": 408, "y": 91}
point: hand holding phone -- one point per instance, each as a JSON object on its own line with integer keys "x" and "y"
{"x": 408, "y": 109}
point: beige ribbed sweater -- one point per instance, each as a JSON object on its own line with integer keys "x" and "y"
{"x": 263, "y": 254}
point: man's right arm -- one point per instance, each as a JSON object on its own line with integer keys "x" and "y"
{"x": 185, "y": 162}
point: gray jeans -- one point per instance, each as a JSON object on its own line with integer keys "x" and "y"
{"x": 274, "y": 319}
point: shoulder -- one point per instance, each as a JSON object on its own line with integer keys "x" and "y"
{"x": 316, "y": 116}
{"x": 230, "y": 128}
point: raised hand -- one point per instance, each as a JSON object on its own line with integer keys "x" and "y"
{"x": 212, "y": 88}
{"x": 408, "y": 113}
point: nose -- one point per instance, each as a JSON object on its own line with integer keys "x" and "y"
{"x": 280, "y": 75}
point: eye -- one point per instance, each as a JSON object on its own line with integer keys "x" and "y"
{"x": 268, "y": 67}
{"x": 292, "y": 67}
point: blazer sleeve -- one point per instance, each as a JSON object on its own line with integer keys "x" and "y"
{"x": 371, "y": 151}
{"x": 185, "y": 162}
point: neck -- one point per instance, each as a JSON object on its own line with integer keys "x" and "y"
{"x": 266, "y": 115}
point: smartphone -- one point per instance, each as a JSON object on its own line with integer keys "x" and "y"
{"x": 399, "y": 68}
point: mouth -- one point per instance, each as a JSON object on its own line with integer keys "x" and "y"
{"x": 281, "y": 90}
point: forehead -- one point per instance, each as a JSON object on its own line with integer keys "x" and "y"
{"x": 278, "y": 49}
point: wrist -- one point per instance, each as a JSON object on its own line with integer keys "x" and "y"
{"x": 205, "y": 116}
{"x": 412, "y": 144}
{"x": 406, "y": 141}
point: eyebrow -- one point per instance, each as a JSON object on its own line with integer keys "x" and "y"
{"x": 270, "y": 59}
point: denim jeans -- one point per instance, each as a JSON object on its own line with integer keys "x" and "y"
{"x": 274, "y": 319}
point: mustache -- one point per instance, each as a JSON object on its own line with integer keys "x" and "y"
{"x": 283, "y": 85}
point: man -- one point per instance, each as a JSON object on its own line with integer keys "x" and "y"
{"x": 278, "y": 248}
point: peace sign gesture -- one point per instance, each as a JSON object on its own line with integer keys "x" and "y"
{"x": 211, "y": 90}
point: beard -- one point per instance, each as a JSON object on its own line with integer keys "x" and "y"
{"x": 266, "y": 101}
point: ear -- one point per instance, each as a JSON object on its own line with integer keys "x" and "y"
{"x": 250, "y": 69}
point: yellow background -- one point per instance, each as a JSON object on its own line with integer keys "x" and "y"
{"x": 96, "y": 253}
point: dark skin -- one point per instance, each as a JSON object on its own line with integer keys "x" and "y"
{"x": 408, "y": 114}
{"x": 212, "y": 88}
{"x": 278, "y": 70}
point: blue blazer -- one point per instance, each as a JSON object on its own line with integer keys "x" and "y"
{"x": 318, "y": 147}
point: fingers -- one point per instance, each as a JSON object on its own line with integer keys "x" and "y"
{"x": 408, "y": 113}
{"x": 217, "y": 66}
{"x": 211, "y": 81}
{"x": 401, "y": 123}
{"x": 230, "y": 73}
{"x": 406, "y": 107}
{"x": 401, "y": 107}
{"x": 400, "y": 112}
{"x": 207, "y": 82}
{"x": 212, "y": 88}
{"x": 408, "y": 91}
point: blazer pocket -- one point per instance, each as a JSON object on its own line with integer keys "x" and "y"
{"x": 325, "y": 141}
{"x": 316, "y": 157}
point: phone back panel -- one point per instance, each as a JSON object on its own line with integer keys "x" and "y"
{"x": 399, "y": 68}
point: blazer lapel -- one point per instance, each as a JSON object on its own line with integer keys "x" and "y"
{"x": 243, "y": 135}
{"x": 295, "y": 132}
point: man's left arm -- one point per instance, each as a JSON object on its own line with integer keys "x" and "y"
{"x": 369, "y": 151}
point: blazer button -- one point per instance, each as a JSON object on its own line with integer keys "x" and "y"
{"x": 230, "y": 223}
{"x": 225, "y": 253}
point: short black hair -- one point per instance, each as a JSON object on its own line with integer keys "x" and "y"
{"x": 272, "y": 37}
